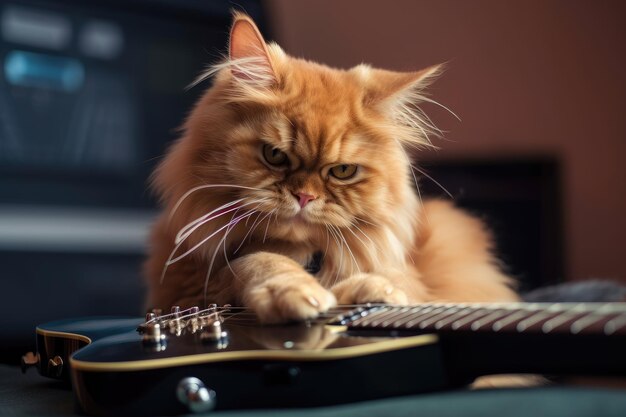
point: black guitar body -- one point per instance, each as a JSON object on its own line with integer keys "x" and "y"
{"x": 58, "y": 340}
{"x": 222, "y": 358}
{"x": 241, "y": 381}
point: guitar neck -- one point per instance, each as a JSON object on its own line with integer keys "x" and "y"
{"x": 481, "y": 339}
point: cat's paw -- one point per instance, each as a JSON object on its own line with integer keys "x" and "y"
{"x": 368, "y": 288}
{"x": 283, "y": 299}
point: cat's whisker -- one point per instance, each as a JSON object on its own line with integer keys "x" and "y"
{"x": 205, "y": 186}
{"x": 268, "y": 225}
{"x": 327, "y": 243}
{"x": 365, "y": 245}
{"x": 217, "y": 247}
{"x": 251, "y": 229}
{"x": 202, "y": 242}
{"x": 362, "y": 220}
{"x": 210, "y": 269}
{"x": 180, "y": 239}
{"x": 241, "y": 64}
{"x": 432, "y": 124}
{"x": 228, "y": 230}
{"x": 427, "y": 122}
{"x": 419, "y": 124}
{"x": 413, "y": 124}
{"x": 187, "y": 230}
{"x": 328, "y": 234}
{"x": 248, "y": 219}
{"x": 274, "y": 213}
{"x": 436, "y": 103}
{"x": 417, "y": 187}
{"x": 350, "y": 252}
{"x": 329, "y": 229}
{"x": 222, "y": 242}
{"x": 340, "y": 248}
{"x": 433, "y": 180}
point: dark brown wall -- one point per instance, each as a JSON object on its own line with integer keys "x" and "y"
{"x": 526, "y": 77}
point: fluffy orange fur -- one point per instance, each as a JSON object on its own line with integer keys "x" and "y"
{"x": 273, "y": 128}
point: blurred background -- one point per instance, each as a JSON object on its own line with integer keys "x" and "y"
{"x": 91, "y": 93}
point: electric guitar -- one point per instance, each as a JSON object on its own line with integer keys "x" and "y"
{"x": 196, "y": 360}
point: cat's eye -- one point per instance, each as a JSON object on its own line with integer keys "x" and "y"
{"x": 274, "y": 156}
{"x": 344, "y": 171}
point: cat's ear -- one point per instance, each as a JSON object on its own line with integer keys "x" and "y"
{"x": 250, "y": 60}
{"x": 398, "y": 95}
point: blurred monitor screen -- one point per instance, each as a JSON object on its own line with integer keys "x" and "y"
{"x": 91, "y": 93}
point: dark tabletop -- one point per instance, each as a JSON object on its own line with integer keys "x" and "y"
{"x": 32, "y": 395}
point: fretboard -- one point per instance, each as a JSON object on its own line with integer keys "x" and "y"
{"x": 566, "y": 318}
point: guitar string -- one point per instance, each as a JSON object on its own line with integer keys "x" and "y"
{"x": 424, "y": 308}
{"x": 616, "y": 307}
{"x": 429, "y": 313}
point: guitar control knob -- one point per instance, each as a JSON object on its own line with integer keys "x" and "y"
{"x": 192, "y": 393}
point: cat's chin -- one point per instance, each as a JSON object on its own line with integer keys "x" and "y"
{"x": 294, "y": 228}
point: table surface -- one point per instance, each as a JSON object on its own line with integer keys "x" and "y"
{"x": 33, "y": 395}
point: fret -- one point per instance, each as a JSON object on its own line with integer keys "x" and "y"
{"x": 510, "y": 320}
{"x": 477, "y": 314}
{"x": 360, "y": 314}
{"x": 609, "y": 318}
{"x": 378, "y": 320}
{"x": 425, "y": 323}
{"x": 617, "y": 308}
{"x": 443, "y": 322}
{"x": 562, "y": 318}
{"x": 538, "y": 317}
{"x": 411, "y": 314}
{"x": 389, "y": 319}
{"x": 615, "y": 324}
{"x": 365, "y": 320}
{"x": 584, "y": 322}
{"x": 591, "y": 318}
{"x": 368, "y": 320}
{"x": 408, "y": 318}
{"x": 488, "y": 319}
{"x": 414, "y": 321}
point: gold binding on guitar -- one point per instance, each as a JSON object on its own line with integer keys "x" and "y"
{"x": 289, "y": 355}
{"x": 52, "y": 333}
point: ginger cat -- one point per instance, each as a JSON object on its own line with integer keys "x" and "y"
{"x": 291, "y": 191}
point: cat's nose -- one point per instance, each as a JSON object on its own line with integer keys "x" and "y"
{"x": 304, "y": 198}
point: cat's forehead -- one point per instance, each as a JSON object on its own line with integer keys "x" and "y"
{"x": 320, "y": 119}
{"x": 317, "y": 141}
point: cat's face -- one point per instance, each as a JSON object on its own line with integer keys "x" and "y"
{"x": 314, "y": 157}
{"x": 308, "y": 147}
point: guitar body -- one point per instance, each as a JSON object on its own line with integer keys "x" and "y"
{"x": 221, "y": 358}
{"x": 287, "y": 366}
{"x": 58, "y": 340}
